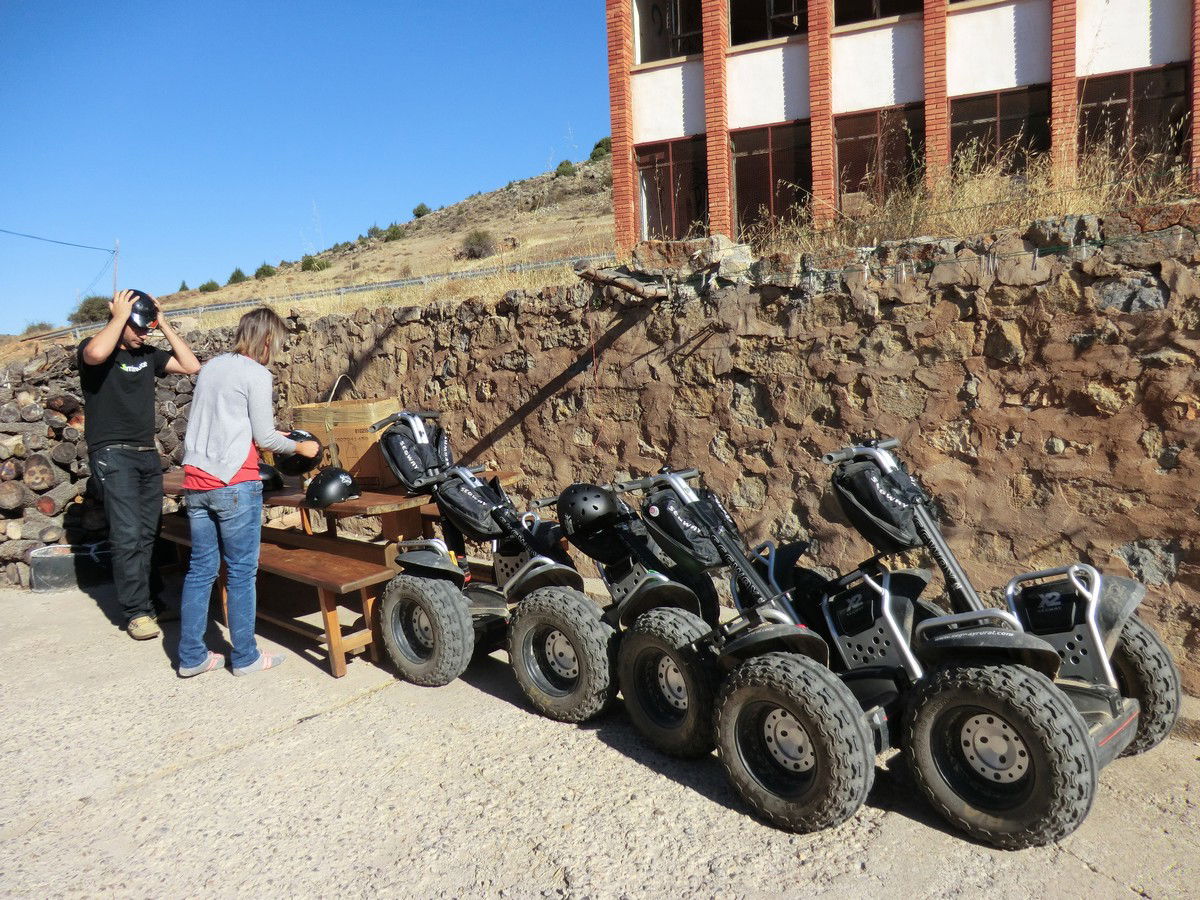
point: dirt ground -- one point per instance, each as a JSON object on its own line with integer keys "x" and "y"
{"x": 122, "y": 779}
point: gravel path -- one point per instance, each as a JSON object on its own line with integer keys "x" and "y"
{"x": 123, "y": 779}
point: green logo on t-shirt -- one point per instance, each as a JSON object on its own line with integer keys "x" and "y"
{"x": 126, "y": 367}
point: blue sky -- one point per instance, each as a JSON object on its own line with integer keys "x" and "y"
{"x": 211, "y": 135}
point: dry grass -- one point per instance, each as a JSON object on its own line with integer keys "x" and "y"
{"x": 980, "y": 197}
{"x": 491, "y": 288}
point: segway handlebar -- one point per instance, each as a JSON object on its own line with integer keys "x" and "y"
{"x": 543, "y": 503}
{"x": 395, "y": 417}
{"x": 641, "y": 484}
{"x": 848, "y": 453}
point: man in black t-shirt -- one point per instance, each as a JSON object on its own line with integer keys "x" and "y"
{"x": 117, "y": 372}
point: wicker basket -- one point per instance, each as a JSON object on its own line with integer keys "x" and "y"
{"x": 341, "y": 425}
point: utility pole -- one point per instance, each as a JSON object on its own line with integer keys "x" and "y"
{"x": 116, "y": 259}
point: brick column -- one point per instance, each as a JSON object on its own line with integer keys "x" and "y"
{"x": 620, "y": 60}
{"x": 1195, "y": 152}
{"x": 716, "y": 116}
{"x": 1064, "y": 96}
{"x": 820, "y": 101}
{"x": 937, "y": 106}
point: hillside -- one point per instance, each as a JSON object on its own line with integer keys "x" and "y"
{"x": 540, "y": 218}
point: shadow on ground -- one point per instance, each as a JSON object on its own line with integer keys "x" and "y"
{"x": 893, "y": 791}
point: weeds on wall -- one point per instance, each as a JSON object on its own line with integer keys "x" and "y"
{"x": 982, "y": 193}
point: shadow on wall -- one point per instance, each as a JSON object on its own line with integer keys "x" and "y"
{"x": 624, "y": 323}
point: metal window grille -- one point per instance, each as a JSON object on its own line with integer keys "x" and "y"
{"x": 1010, "y": 125}
{"x": 878, "y": 149}
{"x": 1138, "y": 112}
{"x": 772, "y": 172}
{"x": 673, "y": 188}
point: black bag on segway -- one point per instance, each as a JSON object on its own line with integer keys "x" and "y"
{"x": 878, "y": 506}
{"x": 677, "y": 532}
{"x": 412, "y": 460}
{"x": 469, "y": 507}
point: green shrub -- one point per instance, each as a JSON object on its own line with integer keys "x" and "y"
{"x": 395, "y": 232}
{"x": 183, "y": 286}
{"x": 237, "y": 276}
{"x": 36, "y": 328}
{"x": 374, "y": 231}
{"x": 266, "y": 270}
{"x": 565, "y": 169}
{"x": 208, "y": 287}
{"x": 602, "y": 149}
{"x": 421, "y": 210}
{"x": 312, "y": 263}
{"x": 478, "y": 244}
{"x": 92, "y": 308}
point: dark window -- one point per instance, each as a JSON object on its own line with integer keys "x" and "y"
{"x": 1135, "y": 112}
{"x": 668, "y": 28}
{"x": 673, "y": 188}
{"x": 772, "y": 172}
{"x": 1008, "y": 127}
{"x": 879, "y": 149}
{"x": 846, "y": 12}
{"x": 758, "y": 20}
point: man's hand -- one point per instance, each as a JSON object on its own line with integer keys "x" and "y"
{"x": 121, "y": 306}
{"x": 308, "y": 448}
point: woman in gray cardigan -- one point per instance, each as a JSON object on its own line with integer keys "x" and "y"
{"x": 231, "y": 413}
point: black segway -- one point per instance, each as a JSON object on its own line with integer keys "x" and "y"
{"x": 1006, "y": 715}
{"x": 437, "y": 611}
{"x": 563, "y": 650}
{"x": 792, "y": 737}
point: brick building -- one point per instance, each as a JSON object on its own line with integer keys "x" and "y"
{"x": 724, "y": 111}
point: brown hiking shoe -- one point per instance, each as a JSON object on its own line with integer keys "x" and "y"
{"x": 142, "y": 628}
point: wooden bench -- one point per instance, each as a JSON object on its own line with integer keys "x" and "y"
{"x": 330, "y": 565}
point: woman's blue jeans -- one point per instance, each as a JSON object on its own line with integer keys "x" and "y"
{"x": 225, "y": 524}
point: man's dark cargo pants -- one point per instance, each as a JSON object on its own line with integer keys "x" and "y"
{"x": 132, "y": 486}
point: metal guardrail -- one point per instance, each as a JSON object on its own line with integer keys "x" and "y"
{"x": 77, "y": 330}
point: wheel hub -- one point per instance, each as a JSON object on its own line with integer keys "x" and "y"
{"x": 994, "y": 749}
{"x": 788, "y": 741}
{"x": 671, "y": 683}
{"x": 422, "y": 628}
{"x": 561, "y": 655}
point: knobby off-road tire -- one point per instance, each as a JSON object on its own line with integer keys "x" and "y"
{"x": 1001, "y": 753}
{"x": 1146, "y": 673}
{"x": 563, "y": 654}
{"x": 669, "y": 685}
{"x": 806, "y": 779}
{"x": 426, "y": 629}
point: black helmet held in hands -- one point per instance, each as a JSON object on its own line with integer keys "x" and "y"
{"x": 330, "y": 485}
{"x": 294, "y": 463}
{"x": 270, "y": 477}
{"x": 144, "y": 314}
{"x": 585, "y": 508}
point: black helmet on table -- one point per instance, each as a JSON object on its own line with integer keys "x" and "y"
{"x": 584, "y": 509}
{"x": 294, "y": 463}
{"x": 270, "y": 477}
{"x": 329, "y": 486}
{"x": 144, "y": 314}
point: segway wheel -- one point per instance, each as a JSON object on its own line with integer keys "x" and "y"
{"x": 668, "y": 683}
{"x": 1001, "y": 753}
{"x": 426, "y": 629}
{"x": 794, "y": 742}
{"x": 1146, "y": 673}
{"x": 563, "y": 654}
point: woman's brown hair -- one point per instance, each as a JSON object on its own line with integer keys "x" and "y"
{"x": 260, "y": 335}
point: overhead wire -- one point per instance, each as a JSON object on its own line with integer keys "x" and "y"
{"x": 34, "y": 237}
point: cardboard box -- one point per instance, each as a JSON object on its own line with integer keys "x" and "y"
{"x": 341, "y": 426}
